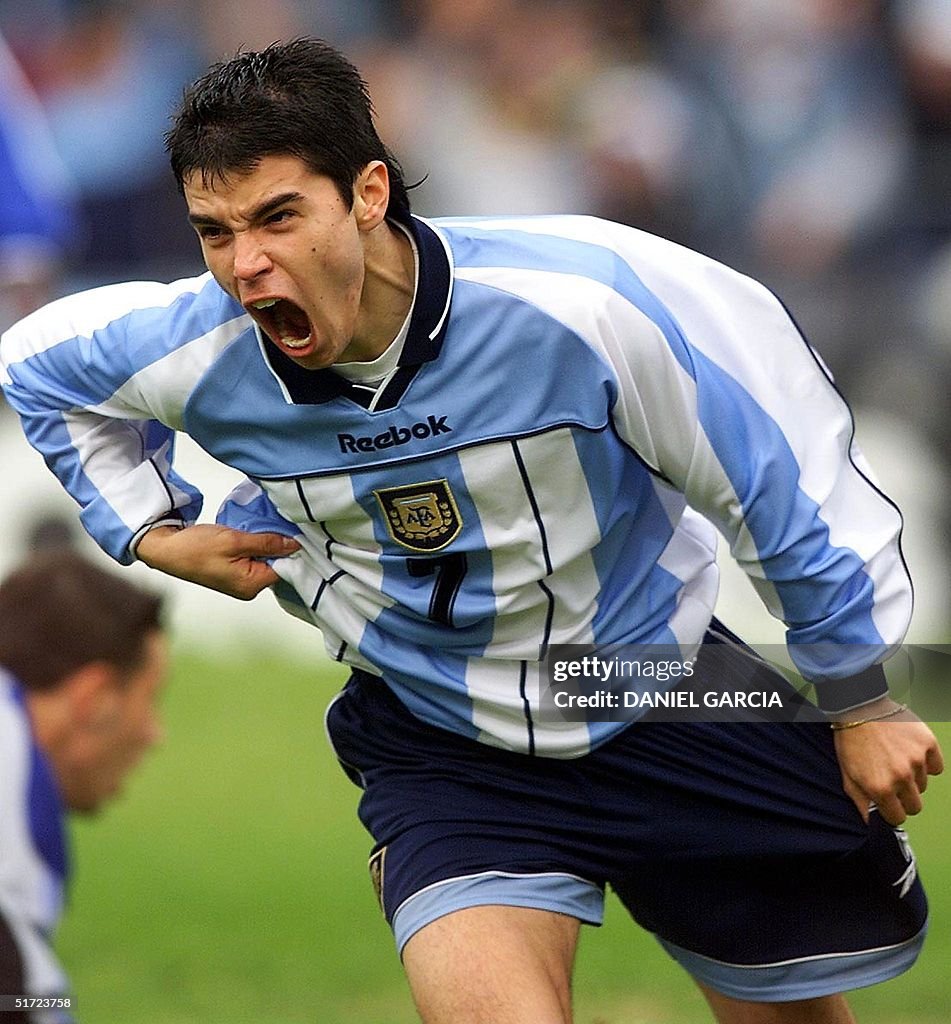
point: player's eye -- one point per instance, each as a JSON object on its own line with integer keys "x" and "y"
{"x": 210, "y": 233}
{"x": 280, "y": 217}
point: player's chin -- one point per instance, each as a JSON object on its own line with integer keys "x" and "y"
{"x": 89, "y": 805}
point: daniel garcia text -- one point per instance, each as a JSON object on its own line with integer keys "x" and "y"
{"x": 668, "y": 699}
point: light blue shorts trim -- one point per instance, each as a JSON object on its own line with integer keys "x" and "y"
{"x": 807, "y": 978}
{"x": 561, "y": 893}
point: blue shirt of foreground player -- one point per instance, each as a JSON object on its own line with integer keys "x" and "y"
{"x": 33, "y": 856}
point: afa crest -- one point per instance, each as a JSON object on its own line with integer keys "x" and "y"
{"x": 421, "y": 517}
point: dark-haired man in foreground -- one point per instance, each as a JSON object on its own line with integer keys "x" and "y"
{"x": 467, "y": 442}
{"x": 82, "y": 661}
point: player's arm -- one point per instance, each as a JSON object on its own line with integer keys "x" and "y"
{"x": 217, "y": 557}
{"x": 74, "y": 373}
{"x": 738, "y": 413}
{"x": 69, "y": 372}
{"x": 232, "y": 555}
{"x": 742, "y": 418}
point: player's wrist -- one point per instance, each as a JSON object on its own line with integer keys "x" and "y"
{"x": 149, "y": 541}
{"x": 879, "y": 710}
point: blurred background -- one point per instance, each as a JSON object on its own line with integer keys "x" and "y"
{"x": 806, "y": 143}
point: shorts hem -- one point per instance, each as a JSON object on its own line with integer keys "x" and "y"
{"x": 805, "y": 978}
{"x": 558, "y": 892}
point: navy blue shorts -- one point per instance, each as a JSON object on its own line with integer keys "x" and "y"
{"x": 733, "y": 842}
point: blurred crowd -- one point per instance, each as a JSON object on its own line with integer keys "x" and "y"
{"x": 807, "y": 143}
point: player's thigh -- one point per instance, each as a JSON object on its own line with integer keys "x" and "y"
{"x": 825, "y": 1010}
{"x": 493, "y": 965}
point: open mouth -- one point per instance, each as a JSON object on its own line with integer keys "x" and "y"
{"x": 284, "y": 322}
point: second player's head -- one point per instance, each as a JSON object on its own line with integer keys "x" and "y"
{"x": 88, "y": 648}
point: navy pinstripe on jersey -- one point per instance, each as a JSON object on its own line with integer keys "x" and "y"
{"x": 577, "y": 403}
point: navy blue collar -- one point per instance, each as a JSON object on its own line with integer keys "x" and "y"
{"x": 427, "y": 326}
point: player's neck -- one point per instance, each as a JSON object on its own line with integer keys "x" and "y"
{"x": 388, "y": 289}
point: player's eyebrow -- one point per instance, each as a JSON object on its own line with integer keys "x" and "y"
{"x": 256, "y": 215}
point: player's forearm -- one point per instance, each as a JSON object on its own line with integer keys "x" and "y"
{"x": 229, "y": 561}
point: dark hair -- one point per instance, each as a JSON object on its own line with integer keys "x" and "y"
{"x": 60, "y": 612}
{"x": 301, "y": 98}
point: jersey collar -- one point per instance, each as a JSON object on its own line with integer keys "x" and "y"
{"x": 427, "y": 326}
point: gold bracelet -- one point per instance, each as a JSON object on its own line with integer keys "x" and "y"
{"x": 839, "y": 726}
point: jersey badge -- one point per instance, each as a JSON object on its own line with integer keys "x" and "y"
{"x": 421, "y": 517}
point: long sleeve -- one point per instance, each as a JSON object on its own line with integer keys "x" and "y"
{"x": 100, "y": 381}
{"x": 738, "y": 412}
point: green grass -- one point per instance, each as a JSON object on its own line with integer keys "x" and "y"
{"x": 229, "y": 884}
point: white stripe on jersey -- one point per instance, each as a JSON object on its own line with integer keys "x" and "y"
{"x": 499, "y": 710}
{"x": 357, "y": 597}
{"x": 107, "y": 449}
{"x": 88, "y": 312}
{"x": 163, "y": 387}
{"x": 569, "y": 521}
{"x": 693, "y": 543}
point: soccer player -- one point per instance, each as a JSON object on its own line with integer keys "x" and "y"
{"x": 82, "y": 661}
{"x": 466, "y": 442}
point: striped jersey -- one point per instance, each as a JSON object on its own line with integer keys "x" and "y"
{"x": 577, "y": 409}
{"x": 32, "y": 859}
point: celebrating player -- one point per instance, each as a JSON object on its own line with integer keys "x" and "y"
{"x": 465, "y": 442}
{"x": 82, "y": 660}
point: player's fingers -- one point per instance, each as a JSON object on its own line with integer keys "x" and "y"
{"x": 262, "y": 575}
{"x": 263, "y": 545}
{"x": 934, "y": 762}
{"x": 892, "y": 809}
{"x": 910, "y": 797}
{"x": 857, "y": 796}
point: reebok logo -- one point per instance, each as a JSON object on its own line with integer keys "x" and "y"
{"x": 393, "y": 436}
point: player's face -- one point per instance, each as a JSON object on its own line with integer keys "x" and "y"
{"x": 282, "y": 241}
{"x": 125, "y": 725}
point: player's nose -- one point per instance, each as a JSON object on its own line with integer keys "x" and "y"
{"x": 250, "y": 257}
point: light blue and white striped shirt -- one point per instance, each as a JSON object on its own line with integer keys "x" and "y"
{"x": 578, "y": 404}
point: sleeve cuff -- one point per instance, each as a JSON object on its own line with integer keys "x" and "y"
{"x": 835, "y": 696}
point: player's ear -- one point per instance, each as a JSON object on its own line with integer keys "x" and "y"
{"x": 93, "y": 692}
{"x": 371, "y": 194}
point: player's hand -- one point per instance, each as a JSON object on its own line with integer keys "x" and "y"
{"x": 230, "y": 561}
{"x": 888, "y": 763}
